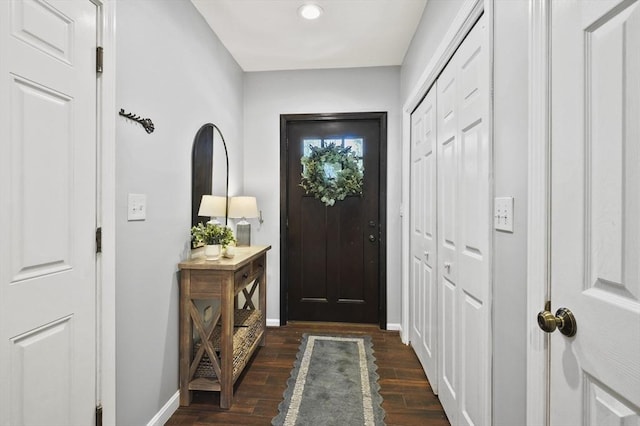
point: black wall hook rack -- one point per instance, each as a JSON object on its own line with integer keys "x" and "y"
{"x": 146, "y": 122}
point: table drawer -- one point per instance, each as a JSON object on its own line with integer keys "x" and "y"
{"x": 205, "y": 284}
{"x": 242, "y": 277}
{"x": 258, "y": 265}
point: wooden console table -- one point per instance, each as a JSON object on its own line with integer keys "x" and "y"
{"x": 227, "y": 343}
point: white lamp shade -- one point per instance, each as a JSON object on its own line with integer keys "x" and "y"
{"x": 212, "y": 206}
{"x": 243, "y": 207}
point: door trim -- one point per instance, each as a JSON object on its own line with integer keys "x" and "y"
{"x": 467, "y": 16}
{"x": 106, "y": 215}
{"x": 538, "y": 205}
{"x": 382, "y": 203}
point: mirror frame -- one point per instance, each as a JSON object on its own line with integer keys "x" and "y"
{"x": 202, "y": 169}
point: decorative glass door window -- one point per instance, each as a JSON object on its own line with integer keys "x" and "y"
{"x": 356, "y": 145}
{"x": 309, "y": 143}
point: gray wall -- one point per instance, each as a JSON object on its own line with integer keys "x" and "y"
{"x": 171, "y": 68}
{"x": 269, "y": 94}
{"x": 510, "y": 179}
{"x": 436, "y": 19}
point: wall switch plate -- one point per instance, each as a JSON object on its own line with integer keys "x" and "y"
{"x": 137, "y": 207}
{"x": 503, "y": 214}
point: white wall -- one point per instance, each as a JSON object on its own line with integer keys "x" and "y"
{"x": 510, "y": 179}
{"x": 269, "y": 94}
{"x": 171, "y": 68}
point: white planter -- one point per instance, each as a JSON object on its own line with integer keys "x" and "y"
{"x": 212, "y": 252}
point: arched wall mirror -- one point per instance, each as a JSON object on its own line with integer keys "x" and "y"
{"x": 209, "y": 169}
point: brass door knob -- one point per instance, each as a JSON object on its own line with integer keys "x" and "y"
{"x": 563, "y": 320}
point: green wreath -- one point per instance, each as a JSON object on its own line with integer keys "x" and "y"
{"x": 331, "y": 173}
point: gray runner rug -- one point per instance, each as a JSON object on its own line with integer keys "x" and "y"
{"x": 333, "y": 382}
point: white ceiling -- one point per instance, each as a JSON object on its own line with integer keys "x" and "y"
{"x": 267, "y": 35}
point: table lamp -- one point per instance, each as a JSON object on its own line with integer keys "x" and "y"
{"x": 212, "y": 206}
{"x": 243, "y": 208}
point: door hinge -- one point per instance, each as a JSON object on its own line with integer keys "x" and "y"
{"x": 99, "y": 415}
{"x": 98, "y": 240}
{"x": 99, "y": 58}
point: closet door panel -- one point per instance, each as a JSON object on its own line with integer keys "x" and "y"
{"x": 447, "y": 157}
{"x": 474, "y": 166}
{"x": 448, "y": 382}
{"x": 473, "y": 211}
{"x": 448, "y": 239}
{"x": 423, "y": 237}
{"x": 471, "y": 366}
{"x": 464, "y": 232}
{"x": 474, "y": 221}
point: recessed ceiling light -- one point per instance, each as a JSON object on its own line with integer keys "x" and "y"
{"x": 310, "y": 11}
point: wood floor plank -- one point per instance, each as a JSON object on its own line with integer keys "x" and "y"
{"x": 407, "y": 396}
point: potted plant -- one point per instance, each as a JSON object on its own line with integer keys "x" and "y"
{"x": 213, "y": 236}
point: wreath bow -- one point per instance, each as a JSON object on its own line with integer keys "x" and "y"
{"x": 331, "y": 173}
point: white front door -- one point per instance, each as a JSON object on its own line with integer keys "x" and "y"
{"x": 595, "y": 213}
{"x": 423, "y": 282}
{"x": 47, "y": 212}
{"x": 464, "y": 385}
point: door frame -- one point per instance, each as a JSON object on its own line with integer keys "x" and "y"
{"x": 106, "y": 215}
{"x": 466, "y": 18}
{"x": 285, "y": 119}
{"x": 538, "y": 210}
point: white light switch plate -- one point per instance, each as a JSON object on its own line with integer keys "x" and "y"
{"x": 503, "y": 214}
{"x": 137, "y": 207}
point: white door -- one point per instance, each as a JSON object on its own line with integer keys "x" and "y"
{"x": 595, "y": 216}
{"x": 47, "y": 212}
{"x": 463, "y": 233}
{"x": 424, "y": 294}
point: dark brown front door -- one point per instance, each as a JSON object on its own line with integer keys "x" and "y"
{"x": 333, "y": 253}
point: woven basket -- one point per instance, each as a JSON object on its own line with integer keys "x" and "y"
{"x": 246, "y": 329}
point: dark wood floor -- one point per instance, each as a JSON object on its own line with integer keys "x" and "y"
{"x": 406, "y": 393}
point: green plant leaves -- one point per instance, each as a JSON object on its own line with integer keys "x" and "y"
{"x": 331, "y": 173}
{"x": 210, "y": 234}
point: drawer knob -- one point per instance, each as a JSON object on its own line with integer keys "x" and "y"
{"x": 245, "y": 275}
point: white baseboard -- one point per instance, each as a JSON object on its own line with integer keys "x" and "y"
{"x": 394, "y": 326}
{"x": 404, "y": 338}
{"x": 273, "y": 322}
{"x": 167, "y": 411}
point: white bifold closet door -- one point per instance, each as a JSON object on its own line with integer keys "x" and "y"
{"x": 423, "y": 291}
{"x": 450, "y": 294}
{"x": 464, "y": 233}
